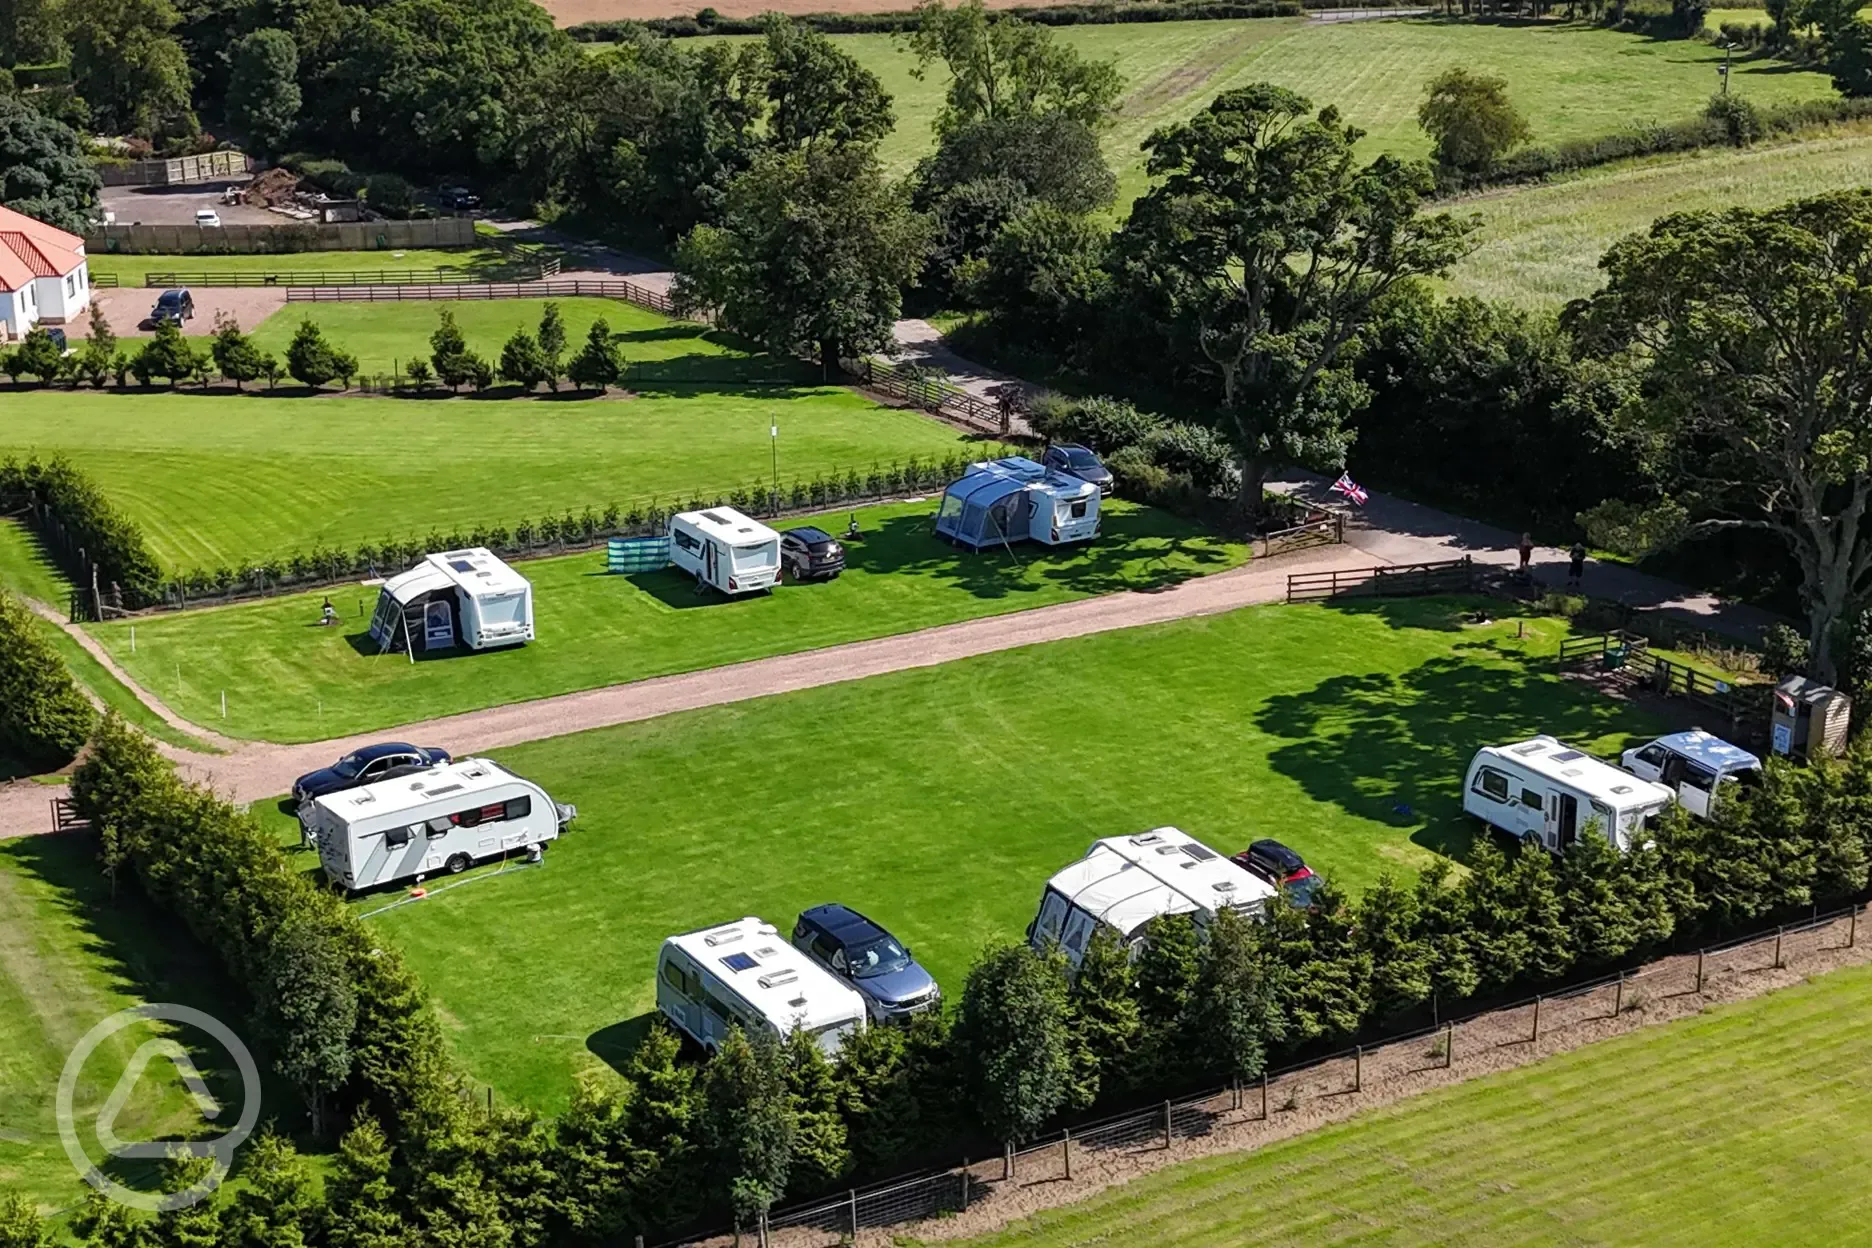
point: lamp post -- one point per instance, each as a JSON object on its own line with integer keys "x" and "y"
{"x": 773, "y": 444}
{"x": 1723, "y": 69}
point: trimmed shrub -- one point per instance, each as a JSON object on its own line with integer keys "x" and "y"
{"x": 44, "y": 716}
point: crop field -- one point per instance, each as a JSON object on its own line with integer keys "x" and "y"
{"x": 1745, "y": 1125}
{"x": 288, "y": 680}
{"x": 939, "y": 801}
{"x": 230, "y": 479}
{"x": 1540, "y": 245}
{"x": 130, "y": 269}
{"x": 1570, "y": 81}
{"x": 71, "y": 956}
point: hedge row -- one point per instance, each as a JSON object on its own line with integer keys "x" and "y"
{"x": 1533, "y": 164}
{"x": 347, "y": 1023}
{"x": 44, "y": 716}
{"x": 529, "y": 537}
{"x": 709, "y": 22}
{"x": 82, "y": 526}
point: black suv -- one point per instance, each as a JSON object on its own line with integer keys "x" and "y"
{"x": 1078, "y": 461}
{"x": 1283, "y": 868}
{"x": 808, "y": 553}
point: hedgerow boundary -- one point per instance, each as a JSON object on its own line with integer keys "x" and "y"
{"x": 1069, "y": 1165}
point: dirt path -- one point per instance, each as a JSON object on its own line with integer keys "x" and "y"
{"x": 252, "y": 771}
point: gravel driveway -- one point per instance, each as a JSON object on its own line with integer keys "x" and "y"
{"x": 127, "y": 308}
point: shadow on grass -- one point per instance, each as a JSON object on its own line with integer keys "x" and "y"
{"x": 1438, "y": 613}
{"x": 613, "y": 1045}
{"x": 1393, "y": 748}
{"x": 147, "y": 955}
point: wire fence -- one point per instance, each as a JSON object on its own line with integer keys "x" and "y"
{"x": 1345, "y": 1077}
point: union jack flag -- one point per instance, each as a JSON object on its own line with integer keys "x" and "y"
{"x": 1351, "y": 489}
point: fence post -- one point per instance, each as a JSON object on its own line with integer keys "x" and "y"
{"x": 1618, "y": 999}
{"x": 763, "y": 1228}
{"x": 640, "y": 1242}
{"x": 1852, "y": 929}
{"x": 1777, "y": 961}
{"x": 1068, "y": 1149}
{"x": 1166, "y": 1124}
{"x": 1449, "y": 1045}
{"x": 1699, "y": 987}
{"x": 1264, "y": 1096}
{"x": 1007, "y": 1162}
{"x": 1235, "y": 1087}
{"x": 1536, "y": 1035}
{"x": 1358, "y": 1068}
{"x": 965, "y": 1179}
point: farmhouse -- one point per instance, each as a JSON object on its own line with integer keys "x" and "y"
{"x": 44, "y": 279}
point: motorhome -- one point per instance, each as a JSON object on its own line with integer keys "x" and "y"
{"x": 1124, "y": 882}
{"x": 726, "y": 550}
{"x": 443, "y": 819}
{"x": 1544, "y": 790}
{"x": 745, "y": 974}
{"x": 455, "y": 598}
{"x": 999, "y": 501}
{"x": 1698, "y": 766}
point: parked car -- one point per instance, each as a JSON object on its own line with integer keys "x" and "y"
{"x": 207, "y": 216}
{"x": 809, "y": 553}
{"x": 893, "y": 984}
{"x": 57, "y": 336}
{"x": 1078, "y": 461}
{"x": 460, "y": 198}
{"x": 1283, "y": 868}
{"x": 173, "y": 305}
{"x": 383, "y": 761}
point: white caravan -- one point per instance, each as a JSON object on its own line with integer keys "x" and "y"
{"x": 1699, "y": 767}
{"x": 1124, "y": 882}
{"x": 745, "y": 974}
{"x": 1544, "y": 790}
{"x": 443, "y": 819}
{"x": 455, "y": 598}
{"x": 725, "y": 549}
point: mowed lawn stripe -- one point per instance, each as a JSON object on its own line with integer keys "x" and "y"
{"x": 1746, "y": 1125}
{"x": 940, "y": 800}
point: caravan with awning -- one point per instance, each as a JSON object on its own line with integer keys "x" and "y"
{"x": 456, "y": 598}
{"x": 1000, "y": 501}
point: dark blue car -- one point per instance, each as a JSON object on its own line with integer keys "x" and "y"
{"x": 860, "y": 952}
{"x": 366, "y": 766}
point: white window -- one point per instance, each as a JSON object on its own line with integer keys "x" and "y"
{"x": 71, "y": 284}
{"x": 750, "y": 558}
{"x": 1492, "y": 784}
{"x": 506, "y": 609}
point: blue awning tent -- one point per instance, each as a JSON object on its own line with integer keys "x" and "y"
{"x": 1014, "y": 499}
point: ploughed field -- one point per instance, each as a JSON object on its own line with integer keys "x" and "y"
{"x": 940, "y": 800}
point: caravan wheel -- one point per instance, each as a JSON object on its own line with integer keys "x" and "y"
{"x": 458, "y": 863}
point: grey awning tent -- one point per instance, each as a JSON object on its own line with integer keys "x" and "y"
{"x": 988, "y": 505}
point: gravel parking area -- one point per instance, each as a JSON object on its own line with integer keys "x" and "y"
{"x": 176, "y": 205}
{"x": 128, "y": 308}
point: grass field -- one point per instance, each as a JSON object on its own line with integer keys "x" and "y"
{"x": 1541, "y": 245}
{"x": 229, "y": 479}
{"x": 289, "y": 680}
{"x": 70, "y": 957}
{"x": 25, "y": 569}
{"x": 940, "y": 800}
{"x": 1746, "y": 1125}
{"x": 1570, "y": 81}
{"x": 661, "y": 353}
{"x": 130, "y": 269}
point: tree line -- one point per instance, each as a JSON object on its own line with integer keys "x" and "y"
{"x": 765, "y": 1119}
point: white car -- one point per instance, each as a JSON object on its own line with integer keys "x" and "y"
{"x": 207, "y": 216}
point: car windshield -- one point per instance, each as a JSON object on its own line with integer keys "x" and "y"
{"x": 1301, "y": 891}
{"x": 880, "y": 957}
{"x": 1082, "y": 459}
{"x": 349, "y": 766}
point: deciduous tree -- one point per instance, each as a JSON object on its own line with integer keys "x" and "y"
{"x": 263, "y": 88}
{"x": 1757, "y": 383}
{"x": 1000, "y": 66}
{"x": 1257, "y": 257}
{"x": 130, "y": 68}
{"x": 1470, "y": 120}
{"x": 819, "y": 94}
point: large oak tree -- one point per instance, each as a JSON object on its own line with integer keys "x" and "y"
{"x": 1754, "y": 333}
{"x": 1256, "y": 258}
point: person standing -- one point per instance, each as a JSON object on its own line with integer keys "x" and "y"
{"x": 1527, "y": 553}
{"x": 1576, "y": 565}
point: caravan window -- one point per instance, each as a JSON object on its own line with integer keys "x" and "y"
{"x": 396, "y": 838}
{"x": 748, "y": 558}
{"x": 1079, "y": 510}
{"x": 506, "y": 609}
{"x": 1530, "y": 799}
{"x": 1492, "y": 784}
{"x": 494, "y": 812}
{"x": 687, "y": 540}
{"x": 520, "y": 807}
{"x": 674, "y": 976}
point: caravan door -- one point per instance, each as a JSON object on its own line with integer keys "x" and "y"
{"x": 438, "y": 624}
{"x": 1562, "y": 821}
{"x": 711, "y": 563}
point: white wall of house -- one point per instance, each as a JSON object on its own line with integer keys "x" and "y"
{"x": 62, "y": 298}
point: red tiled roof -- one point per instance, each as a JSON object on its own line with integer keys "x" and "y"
{"x": 34, "y": 249}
